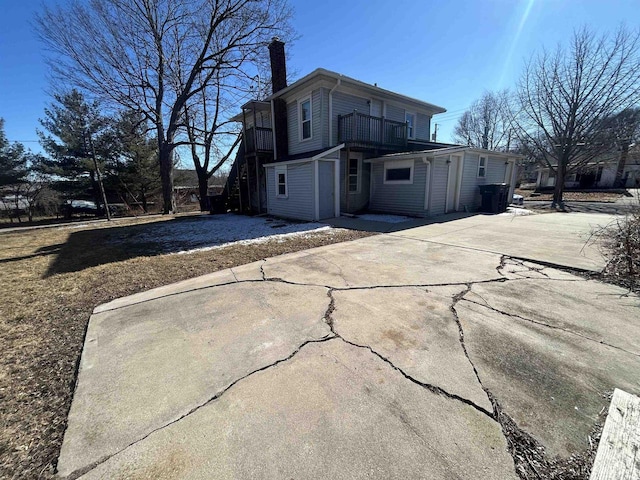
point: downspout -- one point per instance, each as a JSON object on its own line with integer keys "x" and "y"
{"x": 331, "y": 111}
{"x": 459, "y": 181}
{"x": 427, "y": 186}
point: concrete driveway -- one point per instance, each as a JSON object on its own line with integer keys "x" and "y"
{"x": 385, "y": 357}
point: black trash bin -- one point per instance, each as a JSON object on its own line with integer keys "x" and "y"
{"x": 217, "y": 204}
{"x": 495, "y": 197}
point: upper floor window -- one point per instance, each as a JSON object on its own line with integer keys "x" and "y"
{"x": 482, "y": 167}
{"x": 410, "y": 118}
{"x": 304, "y": 113}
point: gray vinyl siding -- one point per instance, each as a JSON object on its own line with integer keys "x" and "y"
{"x": 439, "y": 178}
{"x": 324, "y": 118}
{"x": 470, "y": 193}
{"x": 360, "y": 200}
{"x": 343, "y": 104}
{"x": 423, "y": 127}
{"x": 403, "y": 199}
{"x": 300, "y": 201}
{"x": 395, "y": 113}
{"x": 496, "y": 170}
{"x": 423, "y": 122}
{"x": 316, "y": 142}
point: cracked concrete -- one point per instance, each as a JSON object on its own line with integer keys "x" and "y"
{"x": 361, "y": 264}
{"x": 415, "y": 330}
{"x": 141, "y": 370}
{"x": 332, "y": 411}
{"x": 373, "y": 358}
{"x": 549, "y": 381}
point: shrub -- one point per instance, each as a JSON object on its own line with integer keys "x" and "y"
{"x": 620, "y": 243}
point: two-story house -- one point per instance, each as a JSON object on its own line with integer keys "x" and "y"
{"x": 328, "y": 144}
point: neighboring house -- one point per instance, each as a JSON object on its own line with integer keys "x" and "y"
{"x": 597, "y": 174}
{"x": 329, "y": 144}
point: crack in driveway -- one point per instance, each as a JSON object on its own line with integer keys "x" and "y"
{"x": 86, "y": 469}
{"x": 496, "y": 415}
{"x": 543, "y": 324}
{"x": 432, "y": 388}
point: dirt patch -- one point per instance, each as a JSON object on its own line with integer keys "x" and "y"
{"x": 531, "y": 460}
{"x": 608, "y": 197}
{"x": 45, "y": 310}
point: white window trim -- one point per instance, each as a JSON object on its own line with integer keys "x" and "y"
{"x": 392, "y": 165}
{"x": 486, "y": 164}
{"x": 415, "y": 123}
{"x": 358, "y": 176}
{"x": 300, "y": 129}
{"x": 279, "y": 170}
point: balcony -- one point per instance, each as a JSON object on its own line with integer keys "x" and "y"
{"x": 362, "y": 130}
{"x": 258, "y": 140}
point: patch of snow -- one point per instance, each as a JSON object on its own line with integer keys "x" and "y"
{"x": 384, "y": 218}
{"x": 279, "y": 238}
{"x": 206, "y": 232}
{"x": 518, "y": 212}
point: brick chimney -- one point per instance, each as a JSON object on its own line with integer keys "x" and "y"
{"x": 278, "y": 65}
{"x": 279, "y": 82}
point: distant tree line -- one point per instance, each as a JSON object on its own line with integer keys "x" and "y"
{"x": 572, "y": 107}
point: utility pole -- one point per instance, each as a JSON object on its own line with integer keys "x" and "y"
{"x": 434, "y": 137}
{"x": 95, "y": 165}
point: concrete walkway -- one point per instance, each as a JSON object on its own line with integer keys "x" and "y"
{"x": 384, "y": 357}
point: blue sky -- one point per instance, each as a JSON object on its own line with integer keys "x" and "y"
{"x": 443, "y": 52}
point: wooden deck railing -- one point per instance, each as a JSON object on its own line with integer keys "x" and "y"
{"x": 367, "y": 130}
{"x": 259, "y": 139}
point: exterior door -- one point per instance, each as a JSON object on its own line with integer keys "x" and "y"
{"x": 326, "y": 185}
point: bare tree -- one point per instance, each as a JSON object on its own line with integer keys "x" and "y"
{"x": 565, "y": 97}
{"x": 156, "y": 56}
{"x": 213, "y": 137}
{"x": 485, "y": 124}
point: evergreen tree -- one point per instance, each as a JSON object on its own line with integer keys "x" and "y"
{"x": 76, "y": 133}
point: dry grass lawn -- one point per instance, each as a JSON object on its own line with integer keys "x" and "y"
{"x": 51, "y": 279}
{"x": 608, "y": 197}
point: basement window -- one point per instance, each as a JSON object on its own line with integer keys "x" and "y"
{"x": 398, "y": 172}
{"x": 482, "y": 167}
{"x": 281, "y": 182}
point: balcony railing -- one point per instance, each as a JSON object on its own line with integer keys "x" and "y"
{"x": 258, "y": 140}
{"x": 367, "y": 130}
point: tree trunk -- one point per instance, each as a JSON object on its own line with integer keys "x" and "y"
{"x": 96, "y": 192}
{"x": 166, "y": 176}
{"x": 558, "y": 191}
{"x": 143, "y": 198}
{"x": 203, "y": 189}
{"x": 619, "y": 182}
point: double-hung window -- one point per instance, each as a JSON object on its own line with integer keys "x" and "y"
{"x": 281, "y": 181}
{"x": 304, "y": 113}
{"x": 482, "y": 167}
